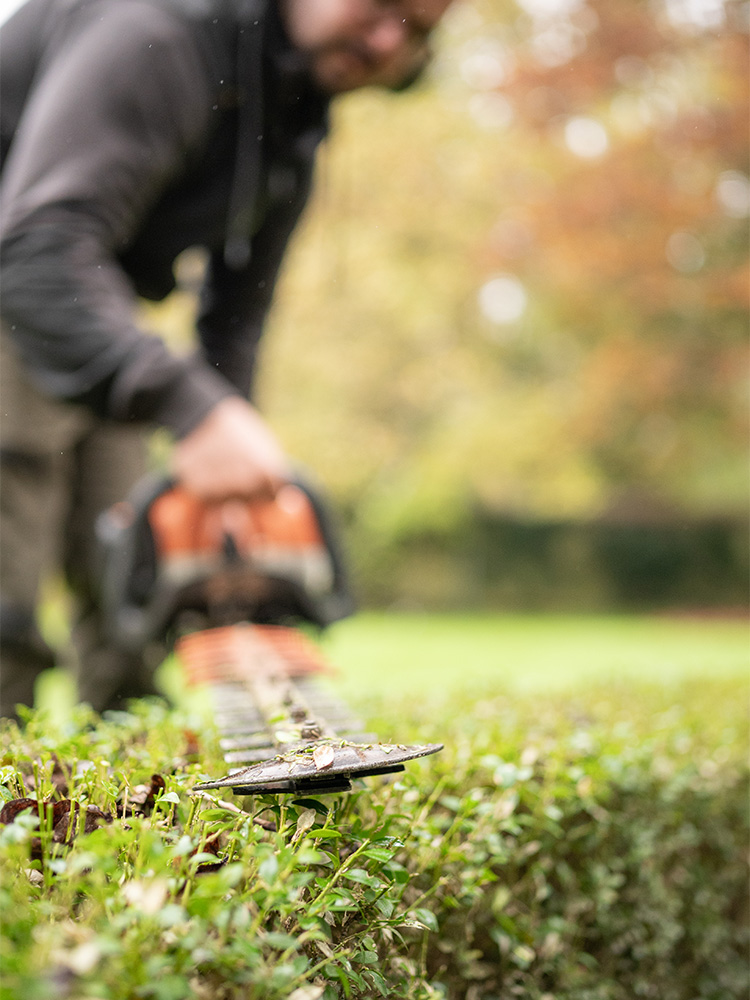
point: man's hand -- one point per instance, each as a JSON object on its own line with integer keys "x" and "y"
{"x": 232, "y": 453}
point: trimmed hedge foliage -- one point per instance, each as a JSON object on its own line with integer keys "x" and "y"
{"x": 595, "y": 850}
{"x": 577, "y": 848}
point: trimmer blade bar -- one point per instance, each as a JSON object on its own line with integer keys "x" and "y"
{"x": 321, "y": 765}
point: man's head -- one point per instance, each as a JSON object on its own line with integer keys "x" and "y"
{"x": 360, "y": 43}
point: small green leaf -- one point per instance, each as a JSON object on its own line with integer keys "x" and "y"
{"x": 269, "y": 869}
{"x": 426, "y": 917}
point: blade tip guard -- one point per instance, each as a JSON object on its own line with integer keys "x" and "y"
{"x": 298, "y": 769}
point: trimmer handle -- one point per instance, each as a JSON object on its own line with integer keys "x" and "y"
{"x": 161, "y": 548}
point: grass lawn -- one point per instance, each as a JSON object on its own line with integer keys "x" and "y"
{"x": 430, "y": 656}
{"x": 421, "y": 655}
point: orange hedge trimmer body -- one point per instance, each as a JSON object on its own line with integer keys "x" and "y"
{"x": 229, "y": 587}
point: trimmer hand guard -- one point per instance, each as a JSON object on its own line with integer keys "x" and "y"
{"x": 164, "y": 554}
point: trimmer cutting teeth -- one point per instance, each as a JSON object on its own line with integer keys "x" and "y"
{"x": 228, "y": 587}
{"x": 294, "y": 737}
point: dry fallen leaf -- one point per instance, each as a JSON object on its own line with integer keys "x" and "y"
{"x": 309, "y": 992}
{"x": 323, "y": 757}
{"x": 305, "y": 821}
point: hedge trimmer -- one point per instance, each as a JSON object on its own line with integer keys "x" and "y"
{"x": 232, "y": 587}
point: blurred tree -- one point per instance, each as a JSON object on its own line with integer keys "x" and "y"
{"x": 638, "y": 240}
{"x": 524, "y": 285}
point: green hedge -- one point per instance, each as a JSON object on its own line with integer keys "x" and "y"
{"x": 592, "y": 860}
{"x": 587, "y": 847}
{"x": 493, "y": 561}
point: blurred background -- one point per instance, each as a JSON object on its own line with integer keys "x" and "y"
{"x": 511, "y": 338}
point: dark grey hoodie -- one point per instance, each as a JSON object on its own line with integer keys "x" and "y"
{"x": 132, "y": 130}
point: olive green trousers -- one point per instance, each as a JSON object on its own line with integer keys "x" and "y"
{"x": 59, "y": 468}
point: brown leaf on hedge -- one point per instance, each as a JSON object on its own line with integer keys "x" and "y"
{"x": 15, "y": 806}
{"x": 64, "y": 828}
{"x": 62, "y": 823}
{"x": 211, "y": 846}
{"x": 208, "y": 867}
{"x": 60, "y": 815}
{"x": 143, "y": 797}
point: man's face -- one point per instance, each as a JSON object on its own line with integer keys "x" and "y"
{"x": 360, "y": 43}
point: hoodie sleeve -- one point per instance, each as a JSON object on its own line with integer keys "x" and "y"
{"x": 120, "y": 107}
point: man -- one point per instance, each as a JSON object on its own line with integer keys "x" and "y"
{"x": 132, "y": 130}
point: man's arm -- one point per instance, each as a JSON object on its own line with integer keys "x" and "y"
{"x": 113, "y": 120}
{"x": 122, "y": 104}
{"x": 232, "y": 452}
